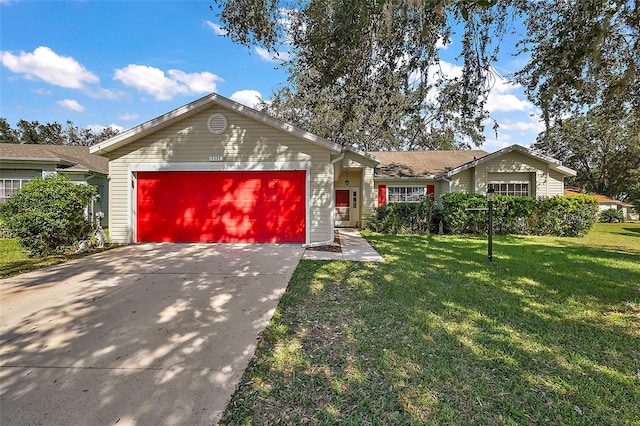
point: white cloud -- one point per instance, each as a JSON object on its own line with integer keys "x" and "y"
{"x": 97, "y": 128}
{"x": 71, "y": 105}
{"x": 153, "y": 81}
{"x": 507, "y": 102}
{"x": 271, "y": 56}
{"x": 440, "y": 44}
{"x": 128, "y": 116}
{"x": 217, "y": 29}
{"x": 444, "y": 69}
{"x": 249, "y": 98}
{"x": 100, "y": 93}
{"x": 535, "y": 126}
{"x": 492, "y": 144}
{"x": 48, "y": 66}
{"x": 41, "y": 91}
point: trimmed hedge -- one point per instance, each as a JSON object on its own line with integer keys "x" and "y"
{"x": 403, "y": 218}
{"x": 566, "y": 216}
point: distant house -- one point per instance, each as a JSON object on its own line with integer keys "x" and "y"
{"x": 606, "y": 203}
{"x": 216, "y": 170}
{"x": 20, "y": 163}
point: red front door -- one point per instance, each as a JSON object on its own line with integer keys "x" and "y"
{"x": 343, "y": 208}
{"x": 262, "y": 206}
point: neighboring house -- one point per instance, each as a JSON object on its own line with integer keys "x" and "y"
{"x": 216, "y": 170}
{"x": 606, "y": 203}
{"x": 20, "y": 163}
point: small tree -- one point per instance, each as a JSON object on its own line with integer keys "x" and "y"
{"x": 49, "y": 215}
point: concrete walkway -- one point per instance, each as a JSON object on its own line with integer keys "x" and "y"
{"x": 149, "y": 334}
{"x": 354, "y": 247}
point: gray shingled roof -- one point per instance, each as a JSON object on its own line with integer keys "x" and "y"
{"x": 407, "y": 164}
{"x": 66, "y": 157}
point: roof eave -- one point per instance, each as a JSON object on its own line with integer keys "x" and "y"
{"x": 37, "y": 160}
{"x": 565, "y": 170}
{"x": 80, "y": 171}
{"x": 555, "y": 164}
{"x": 402, "y": 178}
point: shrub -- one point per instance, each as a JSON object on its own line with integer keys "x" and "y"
{"x": 458, "y": 218}
{"x": 403, "y": 218}
{"x": 560, "y": 216}
{"x": 48, "y": 215}
{"x": 565, "y": 216}
{"x": 5, "y": 232}
{"x": 611, "y": 216}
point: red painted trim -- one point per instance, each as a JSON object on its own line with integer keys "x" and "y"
{"x": 382, "y": 195}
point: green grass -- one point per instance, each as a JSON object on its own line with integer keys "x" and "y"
{"x": 548, "y": 333}
{"x": 15, "y": 260}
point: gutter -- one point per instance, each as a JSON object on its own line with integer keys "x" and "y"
{"x": 331, "y": 207}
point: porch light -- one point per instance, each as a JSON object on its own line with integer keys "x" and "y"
{"x": 346, "y": 182}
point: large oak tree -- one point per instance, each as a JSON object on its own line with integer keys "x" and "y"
{"x": 365, "y": 72}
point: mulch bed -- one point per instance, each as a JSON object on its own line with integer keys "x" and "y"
{"x": 333, "y": 248}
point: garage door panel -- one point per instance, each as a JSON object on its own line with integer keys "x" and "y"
{"x": 221, "y": 206}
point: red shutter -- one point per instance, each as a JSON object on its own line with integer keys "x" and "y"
{"x": 431, "y": 191}
{"x": 382, "y": 195}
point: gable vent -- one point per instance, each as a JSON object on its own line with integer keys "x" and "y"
{"x": 217, "y": 124}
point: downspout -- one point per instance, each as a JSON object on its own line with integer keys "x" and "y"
{"x": 448, "y": 183}
{"x": 331, "y": 207}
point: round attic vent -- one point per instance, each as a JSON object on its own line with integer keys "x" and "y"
{"x": 217, "y": 124}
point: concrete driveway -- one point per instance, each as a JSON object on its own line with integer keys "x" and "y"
{"x": 146, "y": 334}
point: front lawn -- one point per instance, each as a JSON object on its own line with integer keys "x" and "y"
{"x": 548, "y": 333}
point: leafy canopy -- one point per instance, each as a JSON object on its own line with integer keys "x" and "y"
{"x": 370, "y": 70}
{"x": 603, "y": 146}
{"x": 34, "y": 132}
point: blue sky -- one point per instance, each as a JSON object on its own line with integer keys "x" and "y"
{"x": 121, "y": 63}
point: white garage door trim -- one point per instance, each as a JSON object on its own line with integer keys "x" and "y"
{"x": 213, "y": 167}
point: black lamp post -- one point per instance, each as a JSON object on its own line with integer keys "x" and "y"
{"x": 491, "y": 197}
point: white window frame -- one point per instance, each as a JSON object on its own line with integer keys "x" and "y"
{"x": 417, "y": 192}
{"x": 511, "y": 188}
{"x": 4, "y": 195}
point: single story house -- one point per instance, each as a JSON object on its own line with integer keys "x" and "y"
{"x": 216, "y": 170}
{"x": 20, "y": 163}
{"x": 606, "y": 203}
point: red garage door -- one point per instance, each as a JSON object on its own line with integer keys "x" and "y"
{"x": 264, "y": 206}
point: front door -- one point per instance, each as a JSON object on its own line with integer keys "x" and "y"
{"x": 346, "y": 213}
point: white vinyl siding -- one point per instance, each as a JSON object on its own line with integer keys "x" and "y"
{"x": 555, "y": 184}
{"x": 369, "y": 194}
{"x": 462, "y": 182}
{"x": 245, "y": 141}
